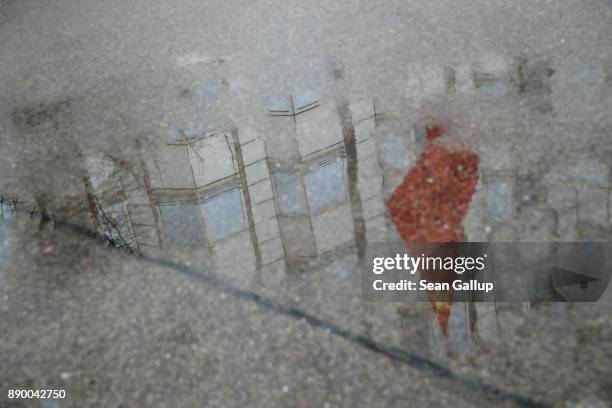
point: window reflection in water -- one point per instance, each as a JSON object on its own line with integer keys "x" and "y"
{"x": 325, "y": 185}
{"x": 394, "y": 154}
{"x": 490, "y": 84}
{"x": 181, "y": 224}
{"x": 290, "y": 193}
{"x": 224, "y": 215}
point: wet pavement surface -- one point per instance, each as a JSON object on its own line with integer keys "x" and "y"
{"x": 187, "y": 193}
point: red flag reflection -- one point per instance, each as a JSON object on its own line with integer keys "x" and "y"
{"x": 430, "y": 205}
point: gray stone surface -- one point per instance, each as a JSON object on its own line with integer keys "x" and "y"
{"x": 139, "y": 106}
{"x": 115, "y": 330}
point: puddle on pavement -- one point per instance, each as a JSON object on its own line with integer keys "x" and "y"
{"x": 277, "y": 188}
{"x": 288, "y": 214}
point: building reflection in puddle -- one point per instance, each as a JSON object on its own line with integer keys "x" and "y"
{"x": 309, "y": 188}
